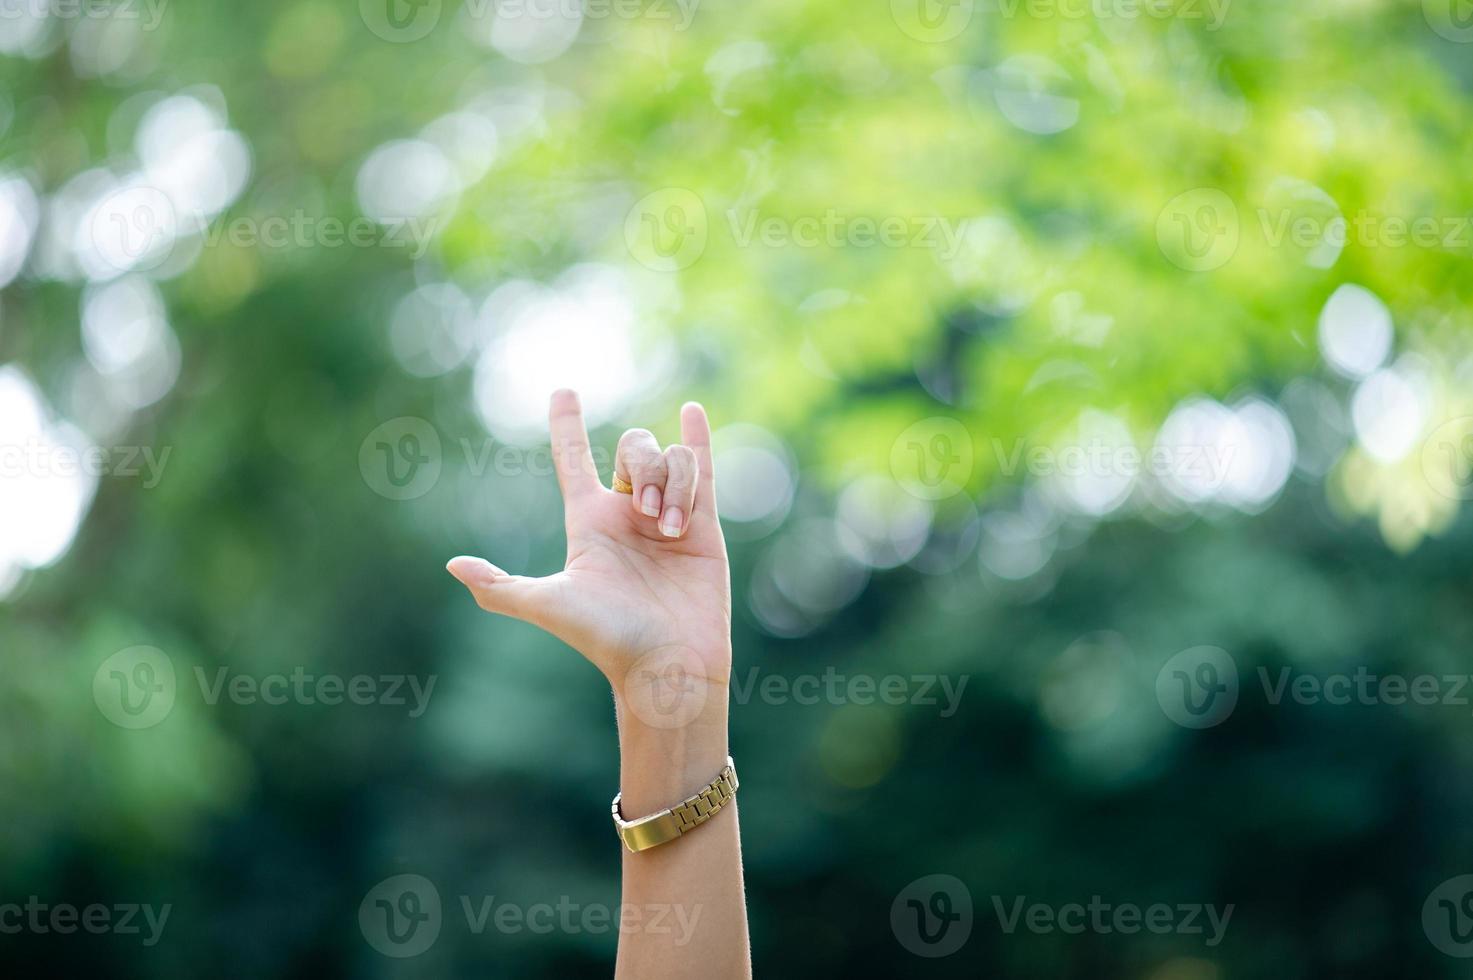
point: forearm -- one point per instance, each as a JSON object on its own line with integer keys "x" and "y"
{"x": 691, "y": 886}
{"x": 645, "y": 595}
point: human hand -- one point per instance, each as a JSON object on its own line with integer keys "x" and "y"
{"x": 645, "y": 592}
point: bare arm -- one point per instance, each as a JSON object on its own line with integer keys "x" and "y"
{"x": 645, "y": 595}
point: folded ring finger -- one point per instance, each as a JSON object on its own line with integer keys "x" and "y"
{"x": 639, "y": 462}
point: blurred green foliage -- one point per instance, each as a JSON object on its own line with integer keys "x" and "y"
{"x": 1056, "y": 148}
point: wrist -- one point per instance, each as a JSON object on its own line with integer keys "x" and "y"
{"x": 659, "y": 768}
{"x": 672, "y": 730}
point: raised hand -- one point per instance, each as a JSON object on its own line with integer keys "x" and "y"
{"x": 645, "y": 590}
{"x": 646, "y": 596}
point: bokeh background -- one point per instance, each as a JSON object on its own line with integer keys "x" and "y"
{"x": 1110, "y": 359}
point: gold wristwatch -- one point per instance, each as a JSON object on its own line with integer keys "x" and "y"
{"x": 665, "y": 826}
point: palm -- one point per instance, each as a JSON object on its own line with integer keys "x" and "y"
{"x": 625, "y": 589}
{"x": 636, "y": 591}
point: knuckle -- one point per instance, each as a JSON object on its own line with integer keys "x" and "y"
{"x": 632, "y": 436}
{"x": 640, "y": 454}
{"x": 655, "y": 475}
{"x": 647, "y": 461}
{"x": 682, "y": 463}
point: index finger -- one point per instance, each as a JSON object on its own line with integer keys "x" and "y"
{"x": 576, "y": 473}
{"x": 695, "y": 432}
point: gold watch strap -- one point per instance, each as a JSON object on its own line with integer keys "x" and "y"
{"x": 665, "y": 826}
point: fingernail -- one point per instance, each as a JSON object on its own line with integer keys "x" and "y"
{"x": 672, "y": 522}
{"x": 649, "y": 501}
